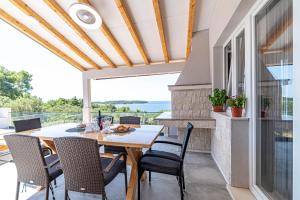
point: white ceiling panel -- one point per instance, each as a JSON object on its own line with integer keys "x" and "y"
{"x": 175, "y": 21}
{"x": 37, "y": 28}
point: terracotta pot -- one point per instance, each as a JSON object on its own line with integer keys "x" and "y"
{"x": 218, "y": 108}
{"x": 236, "y": 112}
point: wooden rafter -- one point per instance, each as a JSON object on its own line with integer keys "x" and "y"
{"x": 62, "y": 13}
{"x": 28, "y": 11}
{"x": 24, "y": 29}
{"x": 286, "y": 48}
{"x": 105, "y": 30}
{"x": 192, "y": 11}
{"x": 161, "y": 29}
{"x": 132, "y": 29}
{"x": 284, "y": 24}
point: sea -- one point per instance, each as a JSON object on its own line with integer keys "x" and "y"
{"x": 150, "y": 106}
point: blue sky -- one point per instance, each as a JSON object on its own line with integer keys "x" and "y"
{"x": 284, "y": 72}
{"x": 54, "y": 78}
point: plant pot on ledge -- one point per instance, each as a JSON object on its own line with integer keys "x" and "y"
{"x": 236, "y": 111}
{"x": 218, "y": 99}
{"x": 218, "y": 108}
{"x": 237, "y": 104}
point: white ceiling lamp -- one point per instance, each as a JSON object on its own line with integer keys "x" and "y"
{"x": 85, "y": 16}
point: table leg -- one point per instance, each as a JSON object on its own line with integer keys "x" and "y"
{"x": 134, "y": 155}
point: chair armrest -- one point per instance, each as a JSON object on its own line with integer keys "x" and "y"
{"x": 162, "y": 156}
{"x": 168, "y": 142}
{"x": 52, "y": 164}
{"x": 113, "y": 162}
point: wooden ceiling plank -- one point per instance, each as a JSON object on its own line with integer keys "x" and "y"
{"x": 34, "y": 36}
{"x": 105, "y": 30}
{"x": 132, "y": 29}
{"x": 160, "y": 27}
{"x": 283, "y": 25}
{"x": 30, "y": 12}
{"x": 83, "y": 35}
{"x": 191, "y": 20}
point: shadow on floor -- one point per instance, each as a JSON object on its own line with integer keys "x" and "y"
{"x": 203, "y": 181}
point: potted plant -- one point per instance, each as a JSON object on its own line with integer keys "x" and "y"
{"x": 237, "y": 104}
{"x": 265, "y": 104}
{"x": 218, "y": 100}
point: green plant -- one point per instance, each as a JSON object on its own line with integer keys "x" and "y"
{"x": 237, "y": 102}
{"x": 265, "y": 103}
{"x": 219, "y": 97}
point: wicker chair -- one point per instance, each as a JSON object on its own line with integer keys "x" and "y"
{"x": 130, "y": 120}
{"x": 31, "y": 165}
{"x": 27, "y": 124}
{"x": 84, "y": 170}
{"x": 30, "y": 124}
{"x": 165, "y": 162}
{"x": 123, "y": 120}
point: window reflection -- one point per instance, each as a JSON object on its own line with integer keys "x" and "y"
{"x": 274, "y": 110}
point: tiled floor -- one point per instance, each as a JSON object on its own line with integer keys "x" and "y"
{"x": 203, "y": 181}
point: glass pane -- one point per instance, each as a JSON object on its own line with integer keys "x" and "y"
{"x": 227, "y": 65}
{"x": 274, "y": 110}
{"x": 240, "y": 63}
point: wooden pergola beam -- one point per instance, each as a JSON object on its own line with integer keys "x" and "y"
{"x": 105, "y": 30}
{"x": 132, "y": 29}
{"x": 161, "y": 29}
{"x": 83, "y": 35}
{"x": 191, "y": 19}
{"x": 283, "y": 25}
{"x": 34, "y": 36}
{"x": 30, "y": 12}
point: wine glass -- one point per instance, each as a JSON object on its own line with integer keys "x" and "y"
{"x": 107, "y": 122}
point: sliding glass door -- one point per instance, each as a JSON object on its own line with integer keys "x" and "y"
{"x": 274, "y": 99}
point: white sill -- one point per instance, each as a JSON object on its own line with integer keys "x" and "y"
{"x": 216, "y": 115}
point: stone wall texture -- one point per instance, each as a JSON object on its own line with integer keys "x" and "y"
{"x": 193, "y": 104}
{"x": 200, "y": 140}
{"x": 221, "y": 146}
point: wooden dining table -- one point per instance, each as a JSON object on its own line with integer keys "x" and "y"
{"x": 139, "y": 137}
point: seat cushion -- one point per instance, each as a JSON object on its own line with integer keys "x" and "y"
{"x": 114, "y": 150}
{"x": 55, "y": 170}
{"x": 160, "y": 165}
{"x": 118, "y": 167}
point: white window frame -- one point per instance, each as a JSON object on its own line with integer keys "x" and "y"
{"x": 233, "y": 68}
{"x": 248, "y": 24}
{"x": 225, "y": 85}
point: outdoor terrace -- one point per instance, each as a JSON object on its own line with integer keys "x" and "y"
{"x": 203, "y": 181}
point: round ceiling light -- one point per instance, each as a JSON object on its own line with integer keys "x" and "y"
{"x": 85, "y": 16}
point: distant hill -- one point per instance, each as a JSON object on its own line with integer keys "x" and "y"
{"x": 122, "y": 102}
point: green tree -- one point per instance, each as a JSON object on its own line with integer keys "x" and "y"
{"x": 4, "y": 101}
{"x": 26, "y": 104}
{"x": 14, "y": 84}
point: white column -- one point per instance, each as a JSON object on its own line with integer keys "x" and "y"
{"x": 87, "y": 105}
{"x": 296, "y": 93}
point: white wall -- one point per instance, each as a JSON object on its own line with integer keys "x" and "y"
{"x": 296, "y": 83}
{"x": 197, "y": 70}
{"x": 225, "y": 18}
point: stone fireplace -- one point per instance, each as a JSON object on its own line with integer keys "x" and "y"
{"x": 190, "y": 104}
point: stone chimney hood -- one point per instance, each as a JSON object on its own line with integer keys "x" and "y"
{"x": 189, "y": 97}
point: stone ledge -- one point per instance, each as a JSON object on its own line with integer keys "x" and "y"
{"x": 210, "y": 124}
{"x": 219, "y": 115}
{"x": 189, "y": 87}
